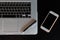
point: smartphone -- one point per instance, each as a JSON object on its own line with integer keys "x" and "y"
{"x": 49, "y": 21}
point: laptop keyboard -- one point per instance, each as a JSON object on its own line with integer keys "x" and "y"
{"x": 15, "y": 9}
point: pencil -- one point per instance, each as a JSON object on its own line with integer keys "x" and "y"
{"x": 27, "y": 25}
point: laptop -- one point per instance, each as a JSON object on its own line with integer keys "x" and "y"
{"x": 14, "y": 14}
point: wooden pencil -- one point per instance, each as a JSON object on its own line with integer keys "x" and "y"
{"x": 27, "y": 25}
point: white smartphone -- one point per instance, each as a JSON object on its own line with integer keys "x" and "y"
{"x": 49, "y": 21}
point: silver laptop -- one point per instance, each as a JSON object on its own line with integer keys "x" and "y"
{"x": 14, "y": 14}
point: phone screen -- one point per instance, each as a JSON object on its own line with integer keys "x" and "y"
{"x": 49, "y": 21}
